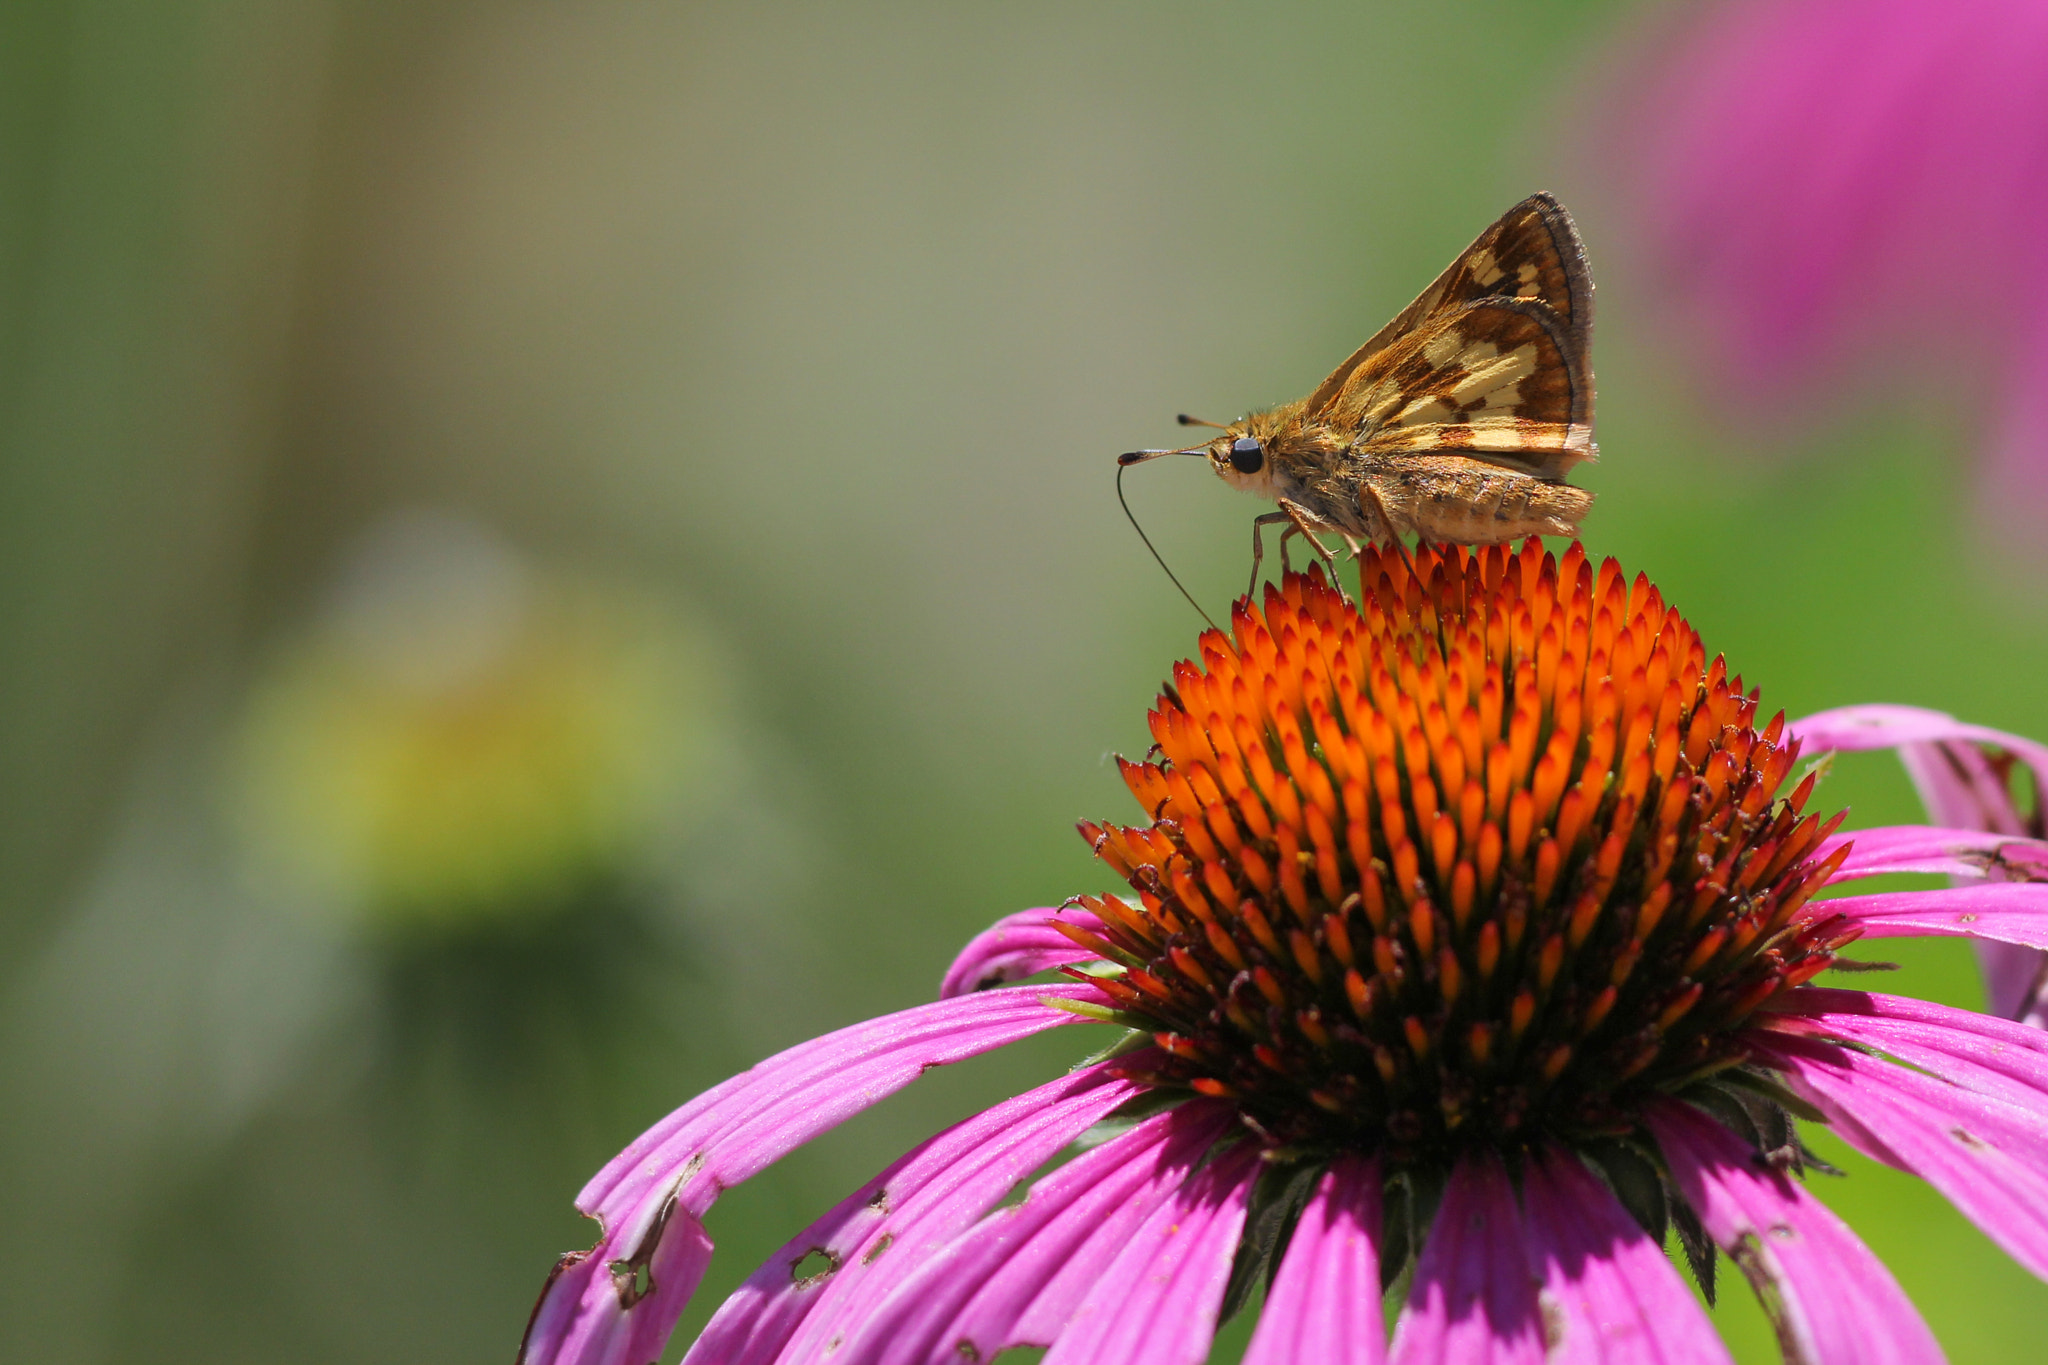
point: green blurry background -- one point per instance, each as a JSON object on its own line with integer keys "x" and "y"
{"x": 552, "y": 550}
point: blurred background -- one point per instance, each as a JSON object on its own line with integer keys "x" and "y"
{"x": 551, "y": 551}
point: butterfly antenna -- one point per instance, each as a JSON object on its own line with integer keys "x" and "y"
{"x": 1188, "y": 421}
{"x": 1121, "y": 466}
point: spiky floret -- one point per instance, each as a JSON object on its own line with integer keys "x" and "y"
{"x": 1494, "y": 853}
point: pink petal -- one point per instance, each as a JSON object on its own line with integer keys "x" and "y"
{"x": 1610, "y": 1295}
{"x": 590, "y": 1312}
{"x": 1992, "y": 1056}
{"x": 1473, "y": 1301}
{"x": 1325, "y": 1302}
{"x": 919, "y": 1202}
{"x": 1989, "y": 1157}
{"x": 1969, "y": 853}
{"x": 1017, "y": 946}
{"x": 1835, "y": 1301}
{"x": 1017, "y": 1277}
{"x": 2007, "y": 912}
{"x": 1157, "y": 1302}
{"x": 663, "y": 1183}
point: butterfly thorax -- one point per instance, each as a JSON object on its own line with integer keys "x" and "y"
{"x": 1305, "y": 462}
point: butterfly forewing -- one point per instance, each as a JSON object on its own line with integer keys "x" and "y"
{"x": 1532, "y": 252}
{"x": 1496, "y": 378}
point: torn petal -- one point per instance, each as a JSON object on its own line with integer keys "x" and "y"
{"x": 1610, "y": 1295}
{"x": 620, "y": 1310}
{"x": 887, "y": 1226}
{"x": 664, "y": 1182}
{"x": 1988, "y": 1156}
{"x": 1831, "y": 1300}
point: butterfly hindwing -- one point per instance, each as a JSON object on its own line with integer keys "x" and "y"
{"x": 1497, "y": 378}
{"x": 1532, "y": 252}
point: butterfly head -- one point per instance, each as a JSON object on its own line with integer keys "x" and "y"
{"x": 1242, "y": 454}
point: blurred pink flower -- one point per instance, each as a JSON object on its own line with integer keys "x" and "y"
{"x": 1406, "y": 989}
{"x": 1832, "y": 186}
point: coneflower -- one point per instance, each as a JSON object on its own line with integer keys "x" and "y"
{"x": 1468, "y": 948}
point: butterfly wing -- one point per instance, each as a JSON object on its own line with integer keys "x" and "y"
{"x": 1533, "y": 252}
{"x": 1498, "y": 379}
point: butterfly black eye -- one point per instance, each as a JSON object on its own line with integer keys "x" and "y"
{"x": 1247, "y": 455}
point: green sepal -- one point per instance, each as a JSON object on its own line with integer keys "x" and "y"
{"x": 1282, "y": 1192}
{"x": 1135, "y": 1040}
{"x": 1128, "y": 1115}
{"x": 1701, "y": 1255}
{"x": 1101, "y": 1014}
{"x": 1638, "y": 1180}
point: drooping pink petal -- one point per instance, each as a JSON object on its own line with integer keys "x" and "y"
{"x": 1017, "y": 1277}
{"x": 1017, "y": 946}
{"x": 1473, "y": 1301}
{"x": 920, "y": 1201}
{"x": 1989, "y": 1157}
{"x": 1992, "y": 1056}
{"x": 2015, "y": 981}
{"x": 1963, "y": 788}
{"x": 595, "y": 1311}
{"x": 1325, "y": 1302}
{"x": 1157, "y": 1302}
{"x": 1834, "y": 1301}
{"x": 1610, "y": 1295}
{"x": 1968, "y": 853}
{"x": 1854, "y": 729}
{"x": 1960, "y": 785}
{"x": 2005, "y": 912}
{"x": 854, "y": 1302}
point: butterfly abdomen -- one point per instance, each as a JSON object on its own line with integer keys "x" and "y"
{"x": 1474, "y": 504}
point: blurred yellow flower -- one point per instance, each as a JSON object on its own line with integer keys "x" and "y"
{"x": 459, "y": 740}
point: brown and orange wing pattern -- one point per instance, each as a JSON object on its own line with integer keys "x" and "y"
{"x": 1532, "y": 253}
{"x": 1498, "y": 379}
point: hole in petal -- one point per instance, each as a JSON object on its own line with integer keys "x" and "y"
{"x": 813, "y": 1267}
{"x": 632, "y": 1281}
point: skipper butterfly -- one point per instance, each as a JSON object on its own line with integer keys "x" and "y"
{"x": 1459, "y": 419}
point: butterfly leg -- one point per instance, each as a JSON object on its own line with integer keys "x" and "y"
{"x": 1259, "y": 551}
{"x": 1367, "y": 494}
{"x": 1298, "y": 515}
